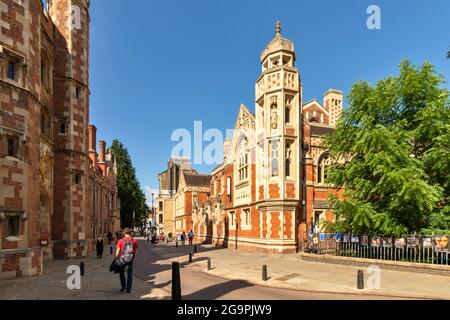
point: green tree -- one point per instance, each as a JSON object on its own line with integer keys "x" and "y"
{"x": 392, "y": 152}
{"x": 132, "y": 198}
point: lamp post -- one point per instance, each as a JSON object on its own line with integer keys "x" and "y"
{"x": 153, "y": 210}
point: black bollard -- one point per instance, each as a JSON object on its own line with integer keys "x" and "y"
{"x": 264, "y": 273}
{"x": 209, "y": 264}
{"x": 82, "y": 268}
{"x": 176, "y": 281}
{"x": 176, "y": 243}
{"x": 111, "y": 250}
{"x": 360, "y": 280}
{"x": 190, "y": 257}
{"x": 195, "y": 249}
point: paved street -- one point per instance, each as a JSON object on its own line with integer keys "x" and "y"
{"x": 289, "y": 277}
{"x": 234, "y": 276}
{"x": 153, "y": 265}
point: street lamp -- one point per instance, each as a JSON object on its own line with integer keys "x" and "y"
{"x": 153, "y": 209}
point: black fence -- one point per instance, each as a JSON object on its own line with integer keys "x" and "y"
{"x": 420, "y": 249}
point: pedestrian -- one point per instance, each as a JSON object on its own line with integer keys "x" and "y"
{"x": 127, "y": 249}
{"x": 110, "y": 237}
{"x": 191, "y": 237}
{"x": 99, "y": 246}
{"x": 183, "y": 238}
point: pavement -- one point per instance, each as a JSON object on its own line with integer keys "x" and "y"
{"x": 96, "y": 284}
{"x": 235, "y": 275}
{"x": 288, "y": 271}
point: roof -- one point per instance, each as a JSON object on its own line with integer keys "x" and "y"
{"x": 277, "y": 44}
{"x": 318, "y": 130}
{"x": 197, "y": 180}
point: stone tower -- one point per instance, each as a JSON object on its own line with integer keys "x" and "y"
{"x": 278, "y": 108}
{"x": 71, "y": 100}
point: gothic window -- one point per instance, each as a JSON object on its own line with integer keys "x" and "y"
{"x": 314, "y": 120}
{"x": 322, "y": 167}
{"x": 274, "y": 157}
{"x": 288, "y": 114}
{"x": 288, "y": 166}
{"x": 243, "y": 162}
{"x": 46, "y": 71}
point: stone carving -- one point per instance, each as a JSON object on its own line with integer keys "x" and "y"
{"x": 273, "y": 116}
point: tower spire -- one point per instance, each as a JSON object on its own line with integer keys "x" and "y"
{"x": 278, "y": 28}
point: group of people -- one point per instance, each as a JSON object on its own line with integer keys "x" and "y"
{"x": 190, "y": 237}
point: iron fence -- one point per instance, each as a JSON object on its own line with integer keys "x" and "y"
{"x": 420, "y": 249}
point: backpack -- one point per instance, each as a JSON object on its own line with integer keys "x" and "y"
{"x": 128, "y": 252}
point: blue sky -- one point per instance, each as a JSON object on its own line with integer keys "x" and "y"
{"x": 161, "y": 65}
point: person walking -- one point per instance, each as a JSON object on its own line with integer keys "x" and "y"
{"x": 110, "y": 237}
{"x": 183, "y": 238}
{"x": 191, "y": 237}
{"x": 127, "y": 249}
{"x": 99, "y": 247}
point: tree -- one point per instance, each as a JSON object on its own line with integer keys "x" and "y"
{"x": 132, "y": 198}
{"x": 393, "y": 143}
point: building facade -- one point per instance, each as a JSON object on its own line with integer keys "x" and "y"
{"x": 47, "y": 160}
{"x": 270, "y": 192}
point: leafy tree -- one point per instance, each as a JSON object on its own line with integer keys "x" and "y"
{"x": 132, "y": 198}
{"x": 392, "y": 152}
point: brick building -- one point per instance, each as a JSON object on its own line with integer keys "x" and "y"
{"x": 270, "y": 192}
{"x": 55, "y": 193}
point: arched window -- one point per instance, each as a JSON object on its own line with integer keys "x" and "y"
{"x": 322, "y": 167}
{"x": 287, "y": 114}
{"x": 314, "y": 120}
{"x": 46, "y": 71}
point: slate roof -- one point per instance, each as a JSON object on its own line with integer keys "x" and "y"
{"x": 197, "y": 180}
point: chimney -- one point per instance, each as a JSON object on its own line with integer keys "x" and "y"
{"x": 332, "y": 101}
{"x": 92, "y": 137}
{"x": 101, "y": 156}
{"x": 92, "y": 145}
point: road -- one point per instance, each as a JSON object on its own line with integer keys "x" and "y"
{"x": 154, "y": 265}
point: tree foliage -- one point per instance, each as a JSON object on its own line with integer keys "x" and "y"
{"x": 132, "y": 198}
{"x": 395, "y": 139}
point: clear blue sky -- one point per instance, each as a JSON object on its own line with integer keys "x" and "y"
{"x": 160, "y": 65}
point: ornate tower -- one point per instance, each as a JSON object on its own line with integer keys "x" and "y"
{"x": 278, "y": 108}
{"x": 71, "y": 100}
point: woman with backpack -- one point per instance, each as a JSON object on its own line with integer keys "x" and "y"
{"x": 126, "y": 251}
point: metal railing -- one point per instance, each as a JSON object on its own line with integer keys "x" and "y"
{"x": 420, "y": 249}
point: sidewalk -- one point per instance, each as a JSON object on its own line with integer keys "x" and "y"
{"x": 97, "y": 284}
{"x": 290, "y": 272}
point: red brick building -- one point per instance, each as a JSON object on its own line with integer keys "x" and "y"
{"x": 271, "y": 189}
{"x": 56, "y": 195}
